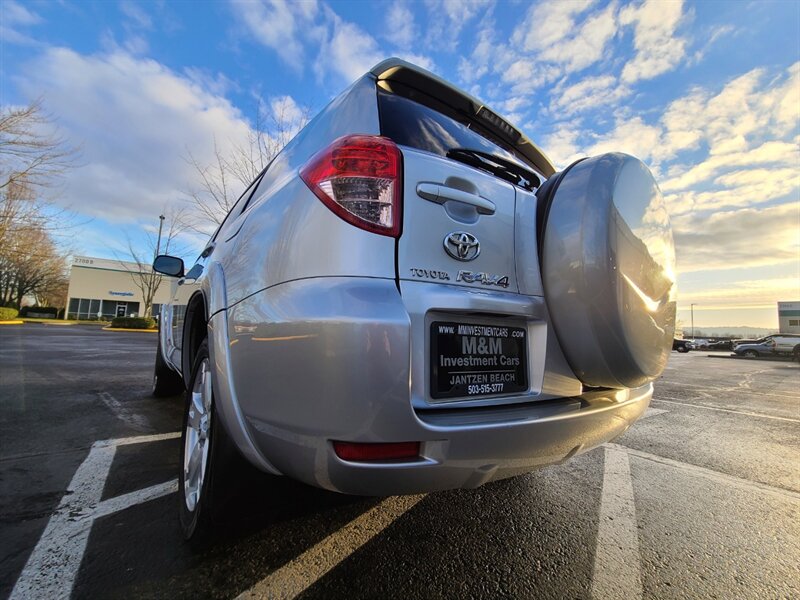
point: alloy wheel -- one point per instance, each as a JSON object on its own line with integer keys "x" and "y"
{"x": 197, "y": 440}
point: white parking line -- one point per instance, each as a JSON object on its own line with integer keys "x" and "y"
{"x": 653, "y": 412}
{"x": 617, "y": 574}
{"x": 124, "y": 412}
{"x": 752, "y": 486}
{"x": 728, "y": 410}
{"x": 299, "y": 574}
{"x": 53, "y": 565}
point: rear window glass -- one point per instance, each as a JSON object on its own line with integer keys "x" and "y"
{"x": 417, "y": 125}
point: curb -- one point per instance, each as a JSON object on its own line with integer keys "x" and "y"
{"x": 12, "y": 322}
{"x": 109, "y": 328}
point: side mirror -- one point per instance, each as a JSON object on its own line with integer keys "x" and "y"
{"x": 168, "y": 265}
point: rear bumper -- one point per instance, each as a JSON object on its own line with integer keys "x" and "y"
{"x": 464, "y": 455}
{"x": 331, "y": 359}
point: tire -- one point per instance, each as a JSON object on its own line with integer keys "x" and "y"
{"x": 751, "y": 354}
{"x": 682, "y": 349}
{"x": 607, "y": 262}
{"x": 166, "y": 382}
{"x": 796, "y": 353}
{"x": 204, "y": 452}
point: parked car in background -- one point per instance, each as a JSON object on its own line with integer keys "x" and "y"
{"x": 747, "y": 341}
{"x": 785, "y": 344}
{"x": 721, "y": 345}
{"x": 410, "y": 298}
{"x": 682, "y": 345}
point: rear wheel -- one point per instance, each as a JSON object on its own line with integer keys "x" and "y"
{"x": 203, "y": 455}
{"x": 751, "y": 353}
{"x": 166, "y": 382}
{"x": 682, "y": 349}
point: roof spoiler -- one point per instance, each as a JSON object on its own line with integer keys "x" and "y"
{"x": 395, "y": 69}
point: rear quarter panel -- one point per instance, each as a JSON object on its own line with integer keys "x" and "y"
{"x": 288, "y": 233}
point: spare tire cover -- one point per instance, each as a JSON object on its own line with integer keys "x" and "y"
{"x": 608, "y": 269}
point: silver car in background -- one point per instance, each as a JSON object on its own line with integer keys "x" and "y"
{"x": 410, "y": 298}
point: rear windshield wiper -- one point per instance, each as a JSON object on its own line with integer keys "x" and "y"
{"x": 505, "y": 169}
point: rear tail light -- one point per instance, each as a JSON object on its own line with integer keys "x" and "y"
{"x": 366, "y": 452}
{"x": 359, "y": 178}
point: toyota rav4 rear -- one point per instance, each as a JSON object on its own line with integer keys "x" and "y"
{"x": 411, "y": 299}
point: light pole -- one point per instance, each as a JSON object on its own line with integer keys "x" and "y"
{"x": 692, "y": 307}
{"x": 158, "y": 243}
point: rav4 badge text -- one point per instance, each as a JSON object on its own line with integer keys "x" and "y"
{"x": 465, "y": 276}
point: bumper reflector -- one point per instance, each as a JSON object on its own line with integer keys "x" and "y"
{"x": 366, "y": 452}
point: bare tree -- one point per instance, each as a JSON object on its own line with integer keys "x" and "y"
{"x": 28, "y": 150}
{"x": 222, "y": 181}
{"x": 143, "y": 275}
{"x": 31, "y": 159}
{"x": 30, "y": 265}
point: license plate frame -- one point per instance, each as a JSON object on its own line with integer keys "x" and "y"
{"x": 477, "y": 360}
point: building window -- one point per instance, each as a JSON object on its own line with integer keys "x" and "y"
{"x": 794, "y": 322}
{"x": 91, "y": 309}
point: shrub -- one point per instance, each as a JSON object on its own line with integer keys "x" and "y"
{"x": 7, "y": 314}
{"x": 47, "y": 311}
{"x": 133, "y": 323}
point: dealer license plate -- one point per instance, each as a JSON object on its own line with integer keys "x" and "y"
{"x": 472, "y": 359}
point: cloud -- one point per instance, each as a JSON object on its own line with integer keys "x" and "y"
{"x": 658, "y": 47}
{"x": 348, "y": 51}
{"x": 136, "y": 15}
{"x": 751, "y": 293}
{"x": 279, "y": 25}
{"x": 630, "y": 135}
{"x": 551, "y": 32}
{"x": 562, "y": 146}
{"x": 738, "y": 239}
{"x": 560, "y": 20}
{"x": 589, "y": 93}
{"x": 400, "y": 26}
{"x": 744, "y": 188}
{"x": 774, "y": 153}
{"x": 16, "y": 14}
{"x": 135, "y": 121}
{"x": 446, "y": 19}
{"x": 297, "y": 30}
{"x": 477, "y": 65}
{"x": 587, "y": 45}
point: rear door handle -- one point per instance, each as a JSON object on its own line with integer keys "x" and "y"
{"x": 442, "y": 193}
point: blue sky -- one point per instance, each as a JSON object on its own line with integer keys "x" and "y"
{"x": 708, "y": 94}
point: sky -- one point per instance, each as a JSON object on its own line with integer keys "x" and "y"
{"x": 706, "y": 93}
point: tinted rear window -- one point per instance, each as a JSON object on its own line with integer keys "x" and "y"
{"x": 437, "y": 130}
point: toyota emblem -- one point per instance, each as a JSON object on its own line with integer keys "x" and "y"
{"x": 462, "y": 245}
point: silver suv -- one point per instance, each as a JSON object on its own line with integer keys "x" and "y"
{"x": 409, "y": 298}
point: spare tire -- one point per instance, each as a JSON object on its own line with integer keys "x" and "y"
{"x": 608, "y": 269}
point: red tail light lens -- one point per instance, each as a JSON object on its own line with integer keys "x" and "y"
{"x": 359, "y": 178}
{"x": 366, "y": 452}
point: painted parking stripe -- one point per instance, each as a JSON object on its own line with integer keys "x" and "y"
{"x": 617, "y": 571}
{"x": 653, "y": 412}
{"x": 299, "y": 574}
{"x": 118, "y": 503}
{"x": 728, "y": 410}
{"x": 746, "y": 484}
{"x": 53, "y": 565}
{"x": 139, "y": 439}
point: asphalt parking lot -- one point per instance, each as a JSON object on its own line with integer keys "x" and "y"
{"x": 700, "y": 499}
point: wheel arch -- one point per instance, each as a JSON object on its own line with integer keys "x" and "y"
{"x": 195, "y": 330}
